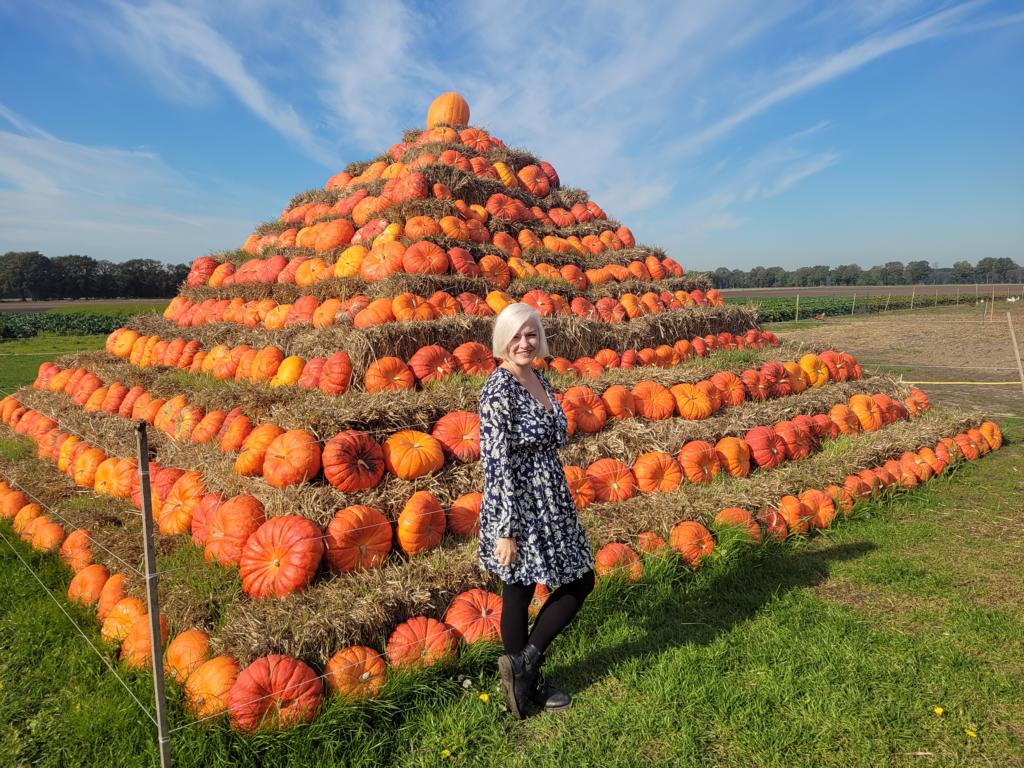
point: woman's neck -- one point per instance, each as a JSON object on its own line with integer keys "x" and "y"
{"x": 521, "y": 372}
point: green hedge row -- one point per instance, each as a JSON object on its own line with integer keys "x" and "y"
{"x": 22, "y": 325}
{"x": 774, "y": 310}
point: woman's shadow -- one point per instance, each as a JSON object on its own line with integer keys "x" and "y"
{"x": 695, "y": 609}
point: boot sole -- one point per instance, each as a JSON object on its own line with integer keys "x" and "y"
{"x": 508, "y": 687}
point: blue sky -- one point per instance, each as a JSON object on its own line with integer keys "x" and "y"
{"x": 730, "y": 133}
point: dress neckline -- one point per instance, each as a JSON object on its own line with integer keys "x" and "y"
{"x": 532, "y": 396}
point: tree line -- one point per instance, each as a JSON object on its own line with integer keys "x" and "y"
{"x": 31, "y": 275}
{"x": 987, "y": 270}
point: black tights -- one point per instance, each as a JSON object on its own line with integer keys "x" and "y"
{"x": 561, "y": 606}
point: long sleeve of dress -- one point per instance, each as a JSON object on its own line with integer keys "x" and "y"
{"x": 495, "y": 448}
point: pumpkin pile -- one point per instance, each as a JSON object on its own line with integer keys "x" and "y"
{"x": 312, "y": 397}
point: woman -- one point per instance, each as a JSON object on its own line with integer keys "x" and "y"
{"x": 529, "y": 531}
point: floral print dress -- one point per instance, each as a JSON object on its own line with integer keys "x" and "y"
{"x": 526, "y": 496}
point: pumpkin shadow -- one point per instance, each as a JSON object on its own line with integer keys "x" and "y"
{"x": 695, "y": 613}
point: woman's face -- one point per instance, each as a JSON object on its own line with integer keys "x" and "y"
{"x": 523, "y": 346}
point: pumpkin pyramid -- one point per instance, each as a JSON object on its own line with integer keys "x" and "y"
{"x": 315, "y": 439}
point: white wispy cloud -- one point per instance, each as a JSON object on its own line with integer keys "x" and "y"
{"x": 819, "y": 72}
{"x": 770, "y": 172}
{"x": 182, "y": 52}
{"x": 60, "y": 197}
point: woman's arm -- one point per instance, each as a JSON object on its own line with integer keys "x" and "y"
{"x": 495, "y": 446}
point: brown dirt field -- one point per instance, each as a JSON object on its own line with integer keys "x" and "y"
{"x": 924, "y": 291}
{"x": 941, "y": 345}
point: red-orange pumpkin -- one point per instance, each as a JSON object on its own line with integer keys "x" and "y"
{"x": 421, "y": 523}
{"x": 475, "y": 615}
{"x": 353, "y": 461}
{"x": 281, "y": 557}
{"x": 355, "y": 672}
{"x": 231, "y": 524}
{"x": 274, "y": 691}
{"x": 293, "y": 457}
{"x": 616, "y": 558}
{"x": 693, "y": 542}
{"x": 420, "y": 641}
{"x": 358, "y": 537}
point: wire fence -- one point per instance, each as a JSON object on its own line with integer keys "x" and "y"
{"x": 628, "y": 567}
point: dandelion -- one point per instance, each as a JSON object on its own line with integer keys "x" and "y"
{"x": 971, "y": 734}
{"x": 446, "y": 753}
{"x": 939, "y": 711}
{"x": 485, "y": 697}
{"x": 78, "y": 707}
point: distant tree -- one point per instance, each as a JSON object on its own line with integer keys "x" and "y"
{"x": 963, "y": 272}
{"x": 75, "y": 277}
{"x": 26, "y": 274}
{"x": 776, "y": 276}
{"x": 846, "y": 274}
{"x": 917, "y": 272}
{"x": 893, "y": 273}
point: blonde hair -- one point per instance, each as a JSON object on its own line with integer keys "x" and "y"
{"x": 507, "y": 324}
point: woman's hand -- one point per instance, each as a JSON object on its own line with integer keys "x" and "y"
{"x": 506, "y": 551}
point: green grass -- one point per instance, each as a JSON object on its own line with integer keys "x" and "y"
{"x": 113, "y": 307}
{"x": 830, "y": 652}
{"x": 20, "y": 359}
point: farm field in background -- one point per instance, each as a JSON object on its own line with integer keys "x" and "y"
{"x": 912, "y": 605}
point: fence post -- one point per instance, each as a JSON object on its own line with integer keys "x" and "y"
{"x": 913, "y": 294}
{"x": 152, "y": 598}
{"x": 797, "y": 319}
{"x": 1016, "y": 349}
{"x": 992, "y": 311}
{"x": 936, "y": 297}
{"x": 958, "y": 295}
{"x": 886, "y": 308}
{"x": 852, "y": 308}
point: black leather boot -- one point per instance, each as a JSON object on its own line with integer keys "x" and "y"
{"x": 518, "y": 674}
{"x": 547, "y": 696}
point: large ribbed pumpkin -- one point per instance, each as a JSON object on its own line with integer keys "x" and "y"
{"x": 87, "y": 584}
{"x": 206, "y": 689}
{"x": 274, "y": 691}
{"x": 736, "y": 517}
{"x": 187, "y": 652}
{"x": 734, "y": 456}
{"x": 137, "y": 648}
{"x": 76, "y": 550}
{"x": 657, "y": 472}
{"x": 353, "y": 461}
{"x": 796, "y": 514}
{"x": 410, "y": 454}
{"x": 767, "y": 449}
{"x": 464, "y": 515}
{"x": 699, "y": 462}
{"x": 355, "y": 672}
{"x": 254, "y": 450}
{"x": 291, "y": 458}
{"x": 421, "y": 523}
{"x": 388, "y": 374}
{"x": 448, "y": 109}
{"x": 119, "y": 620}
{"x": 358, "y": 537}
{"x": 475, "y": 615}
{"x": 616, "y": 558}
{"x": 692, "y": 541}
{"x": 281, "y": 557}
{"x": 612, "y": 480}
{"x": 419, "y": 642}
{"x": 230, "y": 526}
{"x": 459, "y": 434}
{"x": 176, "y": 511}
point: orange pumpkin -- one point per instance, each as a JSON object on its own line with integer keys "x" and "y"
{"x": 187, "y": 652}
{"x": 821, "y": 507}
{"x": 581, "y": 486}
{"x": 691, "y": 402}
{"x": 254, "y": 450}
{"x": 612, "y": 480}
{"x": 464, "y": 515}
{"x": 657, "y": 472}
{"x": 734, "y": 456}
{"x": 87, "y": 585}
{"x": 410, "y": 454}
{"x": 796, "y": 514}
{"x": 358, "y": 538}
{"x": 421, "y": 523}
{"x": 176, "y": 511}
{"x": 740, "y": 518}
{"x": 618, "y": 558}
{"x": 281, "y": 557}
{"x": 653, "y": 401}
{"x": 420, "y": 641}
{"x": 693, "y": 542}
{"x": 459, "y": 434}
{"x": 355, "y": 672}
{"x": 353, "y": 461}
{"x": 230, "y": 526}
{"x": 207, "y": 688}
{"x": 388, "y": 374}
{"x": 137, "y": 648}
{"x": 699, "y": 462}
{"x": 111, "y": 593}
{"x": 119, "y": 620}
{"x": 76, "y": 550}
{"x": 293, "y": 457}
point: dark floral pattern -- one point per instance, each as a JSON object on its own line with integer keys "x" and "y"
{"x": 526, "y": 496}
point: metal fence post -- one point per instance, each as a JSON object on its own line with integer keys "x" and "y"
{"x": 1016, "y": 349}
{"x": 152, "y": 598}
{"x": 797, "y": 319}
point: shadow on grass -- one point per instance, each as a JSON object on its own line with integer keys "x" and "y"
{"x": 694, "y": 609}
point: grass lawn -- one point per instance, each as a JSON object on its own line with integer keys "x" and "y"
{"x": 20, "y": 359}
{"x": 830, "y": 652}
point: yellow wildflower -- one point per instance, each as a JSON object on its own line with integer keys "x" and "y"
{"x": 939, "y": 711}
{"x": 485, "y": 697}
{"x": 446, "y": 753}
{"x": 970, "y": 733}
